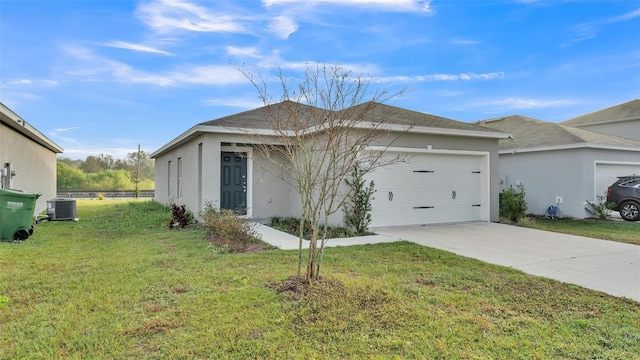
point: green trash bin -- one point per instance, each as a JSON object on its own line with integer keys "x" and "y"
{"x": 16, "y": 214}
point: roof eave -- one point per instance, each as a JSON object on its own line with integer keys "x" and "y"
{"x": 15, "y": 122}
{"x": 448, "y": 131}
{"x": 198, "y": 129}
{"x": 568, "y": 147}
{"x": 579, "y": 124}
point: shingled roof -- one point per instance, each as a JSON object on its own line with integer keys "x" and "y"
{"x": 399, "y": 116}
{"x": 533, "y": 133}
{"x": 623, "y": 112}
{"x": 395, "y": 119}
{"x": 259, "y": 118}
{"x": 372, "y": 112}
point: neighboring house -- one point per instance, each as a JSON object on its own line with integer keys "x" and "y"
{"x": 559, "y": 162}
{"x": 620, "y": 120}
{"x": 28, "y": 156}
{"x": 451, "y": 175}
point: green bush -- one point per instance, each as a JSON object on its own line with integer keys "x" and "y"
{"x": 512, "y": 204}
{"x": 357, "y": 212}
{"x": 600, "y": 209}
{"x": 226, "y": 229}
{"x": 291, "y": 225}
{"x": 180, "y": 215}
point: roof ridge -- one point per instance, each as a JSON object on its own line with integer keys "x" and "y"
{"x": 626, "y": 111}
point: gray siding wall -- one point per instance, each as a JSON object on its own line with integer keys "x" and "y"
{"x": 566, "y": 173}
{"x": 628, "y": 129}
{"x": 34, "y": 165}
{"x": 591, "y": 156}
{"x": 268, "y": 195}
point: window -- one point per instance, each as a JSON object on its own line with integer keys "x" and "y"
{"x": 169, "y": 178}
{"x": 179, "y": 178}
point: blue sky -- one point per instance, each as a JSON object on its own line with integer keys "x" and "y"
{"x": 104, "y": 76}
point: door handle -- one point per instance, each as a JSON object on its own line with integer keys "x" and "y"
{"x": 390, "y": 195}
{"x": 453, "y": 195}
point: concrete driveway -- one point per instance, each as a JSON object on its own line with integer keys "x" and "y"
{"x": 606, "y": 266}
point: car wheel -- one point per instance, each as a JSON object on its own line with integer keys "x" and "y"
{"x": 630, "y": 211}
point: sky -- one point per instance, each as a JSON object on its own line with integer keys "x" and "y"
{"x": 102, "y": 76}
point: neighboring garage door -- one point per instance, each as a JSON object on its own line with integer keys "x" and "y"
{"x": 430, "y": 188}
{"x": 607, "y": 174}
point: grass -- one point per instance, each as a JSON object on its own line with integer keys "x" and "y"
{"x": 621, "y": 231}
{"x": 118, "y": 284}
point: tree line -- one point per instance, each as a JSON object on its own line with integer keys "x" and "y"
{"x": 103, "y": 172}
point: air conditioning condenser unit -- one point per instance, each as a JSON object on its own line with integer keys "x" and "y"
{"x": 61, "y": 209}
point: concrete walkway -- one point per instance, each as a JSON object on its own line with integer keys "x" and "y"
{"x": 606, "y": 266}
{"x": 286, "y": 241}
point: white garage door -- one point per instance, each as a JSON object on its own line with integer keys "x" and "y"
{"x": 607, "y": 174}
{"x": 428, "y": 189}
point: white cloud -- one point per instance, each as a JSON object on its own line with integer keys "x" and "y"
{"x": 31, "y": 82}
{"x": 208, "y": 75}
{"x": 58, "y": 130}
{"x": 465, "y": 42}
{"x": 136, "y": 47}
{"x": 519, "y": 103}
{"x": 392, "y": 5}
{"x": 624, "y": 17}
{"x": 20, "y": 82}
{"x": 245, "y": 104}
{"x": 243, "y": 51}
{"x": 283, "y": 26}
{"x": 589, "y": 30}
{"x": 165, "y": 16}
{"x": 81, "y": 152}
{"x": 440, "y": 77}
{"x": 96, "y": 68}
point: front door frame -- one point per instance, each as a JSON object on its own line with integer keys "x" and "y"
{"x": 248, "y": 153}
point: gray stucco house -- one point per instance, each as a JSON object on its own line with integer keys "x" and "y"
{"x": 620, "y": 120}
{"x": 28, "y": 157}
{"x": 450, "y": 176}
{"x": 556, "y": 162}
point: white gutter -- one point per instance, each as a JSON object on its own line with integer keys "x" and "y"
{"x": 568, "y": 147}
{"x": 362, "y": 125}
{"x": 15, "y": 122}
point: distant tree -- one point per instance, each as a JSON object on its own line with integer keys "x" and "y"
{"x": 70, "y": 178}
{"x": 96, "y": 164}
{"x": 71, "y": 162}
{"x": 106, "y": 173}
{"x": 91, "y": 165}
{"x": 146, "y": 165}
{"x": 111, "y": 180}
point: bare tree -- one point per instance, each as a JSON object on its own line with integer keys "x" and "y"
{"x": 322, "y": 126}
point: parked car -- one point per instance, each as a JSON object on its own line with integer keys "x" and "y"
{"x": 625, "y": 194}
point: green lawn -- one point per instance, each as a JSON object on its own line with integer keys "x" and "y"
{"x": 119, "y": 285}
{"x": 621, "y": 231}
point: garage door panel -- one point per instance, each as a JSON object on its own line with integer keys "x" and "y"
{"x": 428, "y": 189}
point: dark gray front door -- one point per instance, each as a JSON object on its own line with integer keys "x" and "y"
{"x": 233, "y": 182}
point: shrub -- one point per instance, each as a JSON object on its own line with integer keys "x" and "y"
{"x": 357, "y": 212}
{"x": 600, "y": 208}
{"x": 291, "y": 225}
{"x": 512, "y": 204}
{"x": 180, "y": 215}
{"x": 100, "y": 196}
{"x": 226, "y": 229}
